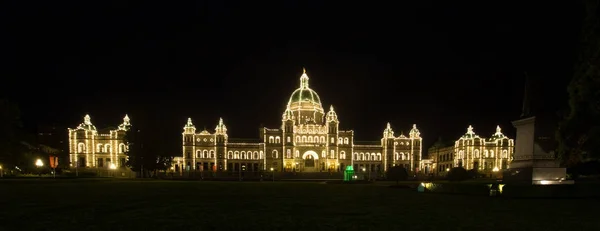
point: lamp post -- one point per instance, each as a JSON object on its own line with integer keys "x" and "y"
{"x": 39, "y": 164}
{"x": 112, "y": 168}
{"x": 272, "y": 174}
{"x": 364, "y": 175}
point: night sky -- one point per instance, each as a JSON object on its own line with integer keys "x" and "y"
{"x": 442, "y": 66}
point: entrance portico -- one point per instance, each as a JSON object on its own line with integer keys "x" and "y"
{"x": 311, "y": 159}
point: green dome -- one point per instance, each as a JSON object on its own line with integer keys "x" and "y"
{"x": 305, "y": 95}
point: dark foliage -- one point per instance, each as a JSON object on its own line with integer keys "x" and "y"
{"x": 397, "y": 173}
{"x": 579, "y": 133}
{"x": 143, "y": 154}
{"x": 458, "y": 174}
{"x": 589, "y": 168}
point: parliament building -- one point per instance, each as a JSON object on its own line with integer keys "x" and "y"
{"x": 472, "y": 151}
{"x": 93, "y": 148}
{"x": 309, "y": 140}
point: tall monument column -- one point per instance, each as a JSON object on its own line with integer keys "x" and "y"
{"x": 534, "y": 160}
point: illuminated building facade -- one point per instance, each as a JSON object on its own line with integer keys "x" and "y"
{"x": 309, "y": 140}
{"x": 474, "y": 152}
{"x": 91, "y": 148}
{"x": 442, "y": 159}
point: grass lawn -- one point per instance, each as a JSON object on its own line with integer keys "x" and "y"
{"x": 45, "y": 204}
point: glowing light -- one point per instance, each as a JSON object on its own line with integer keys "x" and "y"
{"x": 496, "y": 169}
{"x": 39, "y": 163}
{"x": 112, "y": 166}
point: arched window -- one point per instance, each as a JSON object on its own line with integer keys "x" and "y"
{"x": 316, "y": 139}
{"x": 260, "y": 154}
{"x": 323, "y": 154}
{"x": 99, "y": 148}
{"x": 342, "y": 155}
{"x": 271, "y": 139}
{"x": 346, "y": 140}
{"x": 332, "y": 154}
{"x": 277, "y": 140}
{"x": 236, "y": 155}
{"x": 255, "y": 154}
{"x": 212, "y": 154}
{"x": 332, "y": 140}
{"x": 198, "y": 153}
{"x": 288, "y": 153}
{"x": 81, "y": 148}
{"x": 304, "y": 139}
{"x": 402, "y": 156}
{"x": 204, "y": 153}
{"x": 289, "y": 139}
{"x": 297, "y": 154}
{"x": 340, "y": 140}
{"x": 476, "y": 152}
{"x": 310, "y": 139}
{"x": 379, "y": 156}
{"x": 486, "y": 154}
{"x": 107, "y": 148}
{"x": 504, "y": 154}
{"x": 121, "y": 148}
{"x": 322, "y": 139}
{"x": 243, "y": 155}
{"x": 361, "y": 156}
{"x": 297, "y": 139}
{"x": 274, "y": 154}
{"x": 230, "y": 155}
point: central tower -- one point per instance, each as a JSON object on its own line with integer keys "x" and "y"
{"x": 305, "y": 104}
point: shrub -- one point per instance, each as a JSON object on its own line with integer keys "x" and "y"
{"x": 397, "y": 173}
{"x": 458, "y": 174}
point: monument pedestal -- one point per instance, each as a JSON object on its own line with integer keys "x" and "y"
{"x": 533, "y": 161}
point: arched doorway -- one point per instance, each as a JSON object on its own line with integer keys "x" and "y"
{"x": 310, "y": 161}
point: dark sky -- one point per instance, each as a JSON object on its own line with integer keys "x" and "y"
{"x": 441, "y": 65}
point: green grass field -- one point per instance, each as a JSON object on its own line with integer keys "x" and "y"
{"x": 45, "y": 204}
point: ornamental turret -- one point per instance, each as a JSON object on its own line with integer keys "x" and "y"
{"x": 189, "y": 127}
{"x": 288, "y": 121}
{"x": 388, "y": 132}
{"x": 221, "y": 133}
{"x": 87, "y": 124}
{"x": 126, "y": 123}
{"x": 414, "y": 132}
{"x": 332, "y": 121}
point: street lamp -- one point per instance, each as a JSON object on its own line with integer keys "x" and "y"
{"x": 112, "y": 167}
{"x": 38, "y": 164}
{"x": 272, "y": 174}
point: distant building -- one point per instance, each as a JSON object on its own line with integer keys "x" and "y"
{"x": 92, "y": 148}
{"x": 442, "y": 158}
{"x": 474, "y": 152}
{"x": 309, "y": 140}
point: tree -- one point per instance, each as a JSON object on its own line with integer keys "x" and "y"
{"x": 10, "y": 133}
{"x": 397, "y": 173}
{"x": 135, "y": 152}
{"x": 143, "y": 154}
{"x": 578, "y": 135}
{"x": 458, "y": 174}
